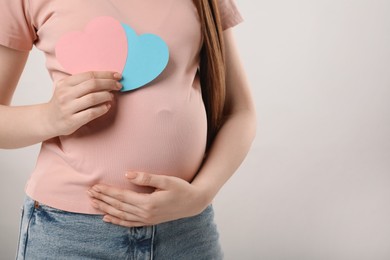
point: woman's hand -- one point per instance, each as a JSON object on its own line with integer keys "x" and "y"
{"x": 172, "y": 199}
{"x": 79, "y": 99}
{"x": 76, "y": 100}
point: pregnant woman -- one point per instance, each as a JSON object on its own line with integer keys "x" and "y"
{"x": 151, "y": 113}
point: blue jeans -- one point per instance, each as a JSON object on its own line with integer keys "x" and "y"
{"x": 49, "y": 233}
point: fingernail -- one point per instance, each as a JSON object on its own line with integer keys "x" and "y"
{"x": 96, "y": 189}
{"x": 117, "y": 76}
{"x": 89, "y": 192}
{"x": 106, "y": 219}
{"x": 118, "y": 85}
{"x": 131, "y": 175}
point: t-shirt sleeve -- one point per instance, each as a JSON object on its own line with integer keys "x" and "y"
{"x": 16, "y": 29}
{"x": 230, "y": 16}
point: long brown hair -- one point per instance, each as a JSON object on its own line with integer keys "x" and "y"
{"x": 212, "y": 65}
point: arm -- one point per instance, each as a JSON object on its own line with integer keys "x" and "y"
{"x": 175, "y": 198}
{"x": 238, "y": 131}
{"x": 76, "y": 100}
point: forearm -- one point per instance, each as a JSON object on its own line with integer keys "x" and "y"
{"x": 22, "y": 126}
{"x": 227, "y": 152}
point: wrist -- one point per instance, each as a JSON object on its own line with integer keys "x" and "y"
{"x": 47, "y": 125}
{"x": 205, "y": 194}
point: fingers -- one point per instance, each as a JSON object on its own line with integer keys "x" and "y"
{"x": 96, "y": 85}
{"x": 124, "y": 223}
{"x": 118, "y": 205}
{"x": 113, "y": 196}
{"x": 77, "y": 79}
{"x": 118, "y": 209}
{"x": 161, "y": 182}
{"x": 91, "y": 100}
{"x": 92, "y": 106}
{"x": 85, "y": 83}
{"x": 86, "y": 116}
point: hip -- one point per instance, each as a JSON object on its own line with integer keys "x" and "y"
{"x": 50, "y": 233}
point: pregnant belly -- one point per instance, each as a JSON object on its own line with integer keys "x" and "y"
{"x": 150, "y": 133}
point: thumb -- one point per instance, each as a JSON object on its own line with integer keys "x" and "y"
{"x": 161, "y": 182}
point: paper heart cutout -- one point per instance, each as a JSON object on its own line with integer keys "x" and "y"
{"x": 147, "y": 57}
{"x": 101, "y": 46}
{"x": 107, "y": 44}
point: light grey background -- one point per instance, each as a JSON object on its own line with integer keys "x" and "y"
{"x": 316, "y": 182}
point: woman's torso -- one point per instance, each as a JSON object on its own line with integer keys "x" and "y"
{"x": 160, "y": 128}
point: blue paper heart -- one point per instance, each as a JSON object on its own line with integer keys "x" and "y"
{"x": 147, "y": 57}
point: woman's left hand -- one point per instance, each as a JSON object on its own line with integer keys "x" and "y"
{"x": 172, "y": 199}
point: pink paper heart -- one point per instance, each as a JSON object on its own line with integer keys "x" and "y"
{"x": 101, "y": 46}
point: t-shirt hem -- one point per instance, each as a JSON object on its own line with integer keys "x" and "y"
{"x": 69, "y": 206}
{"x": 232, "y": 23}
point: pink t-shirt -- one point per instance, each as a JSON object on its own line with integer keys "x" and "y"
{"x": 160, "y": 128}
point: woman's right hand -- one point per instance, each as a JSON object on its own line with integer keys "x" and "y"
{"x": 79, "y": 99}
